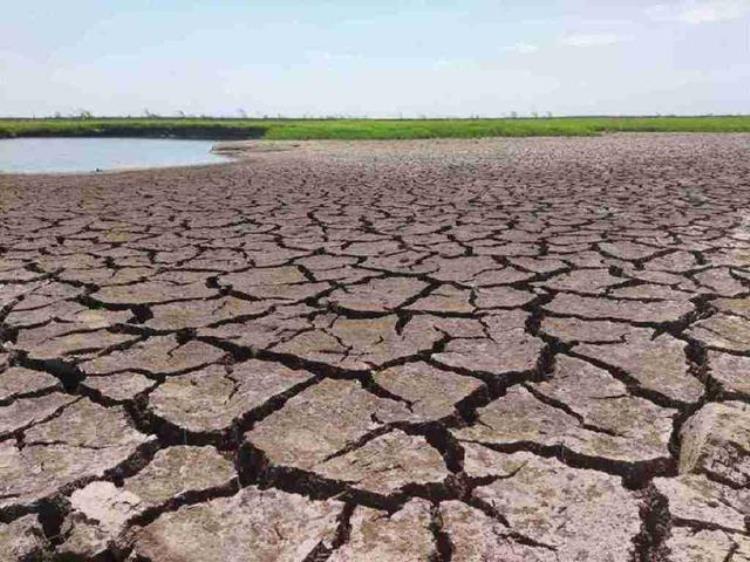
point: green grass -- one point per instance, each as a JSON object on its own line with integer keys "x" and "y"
{"x": 290, "y": 129}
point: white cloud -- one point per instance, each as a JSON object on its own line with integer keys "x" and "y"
{"x": 590, "y": 39}
{"x": 444, "y": 63}
{"x": 715, "y": 11}
{"x": 523, "y": 48}
{"x": 660, "y": 12}
{"x": 325, "y": 57}
{"x": 700, "y": 11}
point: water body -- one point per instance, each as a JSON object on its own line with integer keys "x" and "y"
{"x": 65, "y": 155}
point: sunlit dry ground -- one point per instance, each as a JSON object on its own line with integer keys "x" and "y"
{"x": 517, "y": 350}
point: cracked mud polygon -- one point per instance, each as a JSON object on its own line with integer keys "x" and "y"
{"x": 485, "y": 350}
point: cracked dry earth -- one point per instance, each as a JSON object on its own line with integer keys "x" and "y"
{"x": 499, "y": 350}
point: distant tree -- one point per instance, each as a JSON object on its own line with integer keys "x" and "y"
{"x": 549, "y": 115}
{"x": 535, "y": 114}
{"x": 85, "y": 114}
{"x": 513, "y": 114}
{"x": 181, "y": 114}
{"x": 242, "y": 113}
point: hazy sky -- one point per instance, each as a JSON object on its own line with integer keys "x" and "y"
{"x": 377, "y": 58}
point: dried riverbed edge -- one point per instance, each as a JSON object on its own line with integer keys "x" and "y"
{"x": 446, "y": 350}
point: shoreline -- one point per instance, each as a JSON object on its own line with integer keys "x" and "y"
{"x": 236, "y": 152}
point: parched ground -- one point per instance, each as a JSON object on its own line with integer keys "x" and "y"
{"x": 497, "y": 350}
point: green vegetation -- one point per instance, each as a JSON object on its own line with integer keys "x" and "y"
{"x": 278, "y": 129}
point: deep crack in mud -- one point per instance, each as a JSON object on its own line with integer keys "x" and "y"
{"x": 433, "y": 350}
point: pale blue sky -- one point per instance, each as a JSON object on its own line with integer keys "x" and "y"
{"x": 375, "y": 58}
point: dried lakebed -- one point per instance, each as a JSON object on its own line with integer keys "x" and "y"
{"x": 519, "y": 350}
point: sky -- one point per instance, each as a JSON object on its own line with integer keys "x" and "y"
{"x": 377, "y": 58}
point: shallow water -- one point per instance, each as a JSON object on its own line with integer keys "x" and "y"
{"x": 45, "y": 155}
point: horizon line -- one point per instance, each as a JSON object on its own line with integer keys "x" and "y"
{"x": 156, "y": 116}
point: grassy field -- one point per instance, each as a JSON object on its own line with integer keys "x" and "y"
{"x": 278, "y": 129}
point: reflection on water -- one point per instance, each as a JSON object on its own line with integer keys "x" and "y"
{"x": 43, "y": 155}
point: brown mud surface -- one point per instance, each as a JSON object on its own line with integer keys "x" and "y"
{"x": 495, "y": 350}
